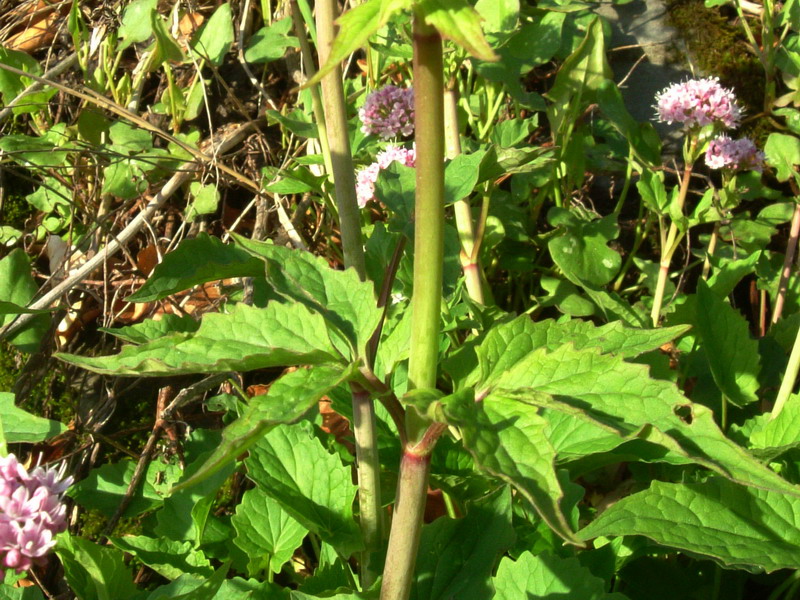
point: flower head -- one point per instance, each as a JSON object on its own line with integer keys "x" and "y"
{"x": 366, "y": 177}
{"x": 698, "y": 102}
{"x": 388, "y": 112}
{"x": 742, "y": 154}
{"x": 31, "y": 512}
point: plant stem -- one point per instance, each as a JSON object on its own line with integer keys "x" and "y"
{"x": 671, "y": 243}
{"x": 712, "y": 246}
{"x": 339, "y": 141}
{"x": 791, "y": 248}
{"x": 462, "y": 208}
{"x": 789, "y": 378}
{"x": 425, "y": 306}
{"x": 369, "y": 491}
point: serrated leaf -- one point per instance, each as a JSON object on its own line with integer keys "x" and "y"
{"x": 458, "y": 21}
{"x": 244, "y": 339}
{"x": 19, "y": 426}
{"x": 150, "y": 329}
{"x": 548, "y": 576}
{"x": 457, "y": 556}
{"x": 340, "y": 296}
{"x": 288, "y": 400}
{"x": 604, "y": 389}
{"x": 510, "y": 441}
{"x": 739, "y": 527}
{"x": 313, "y": 486}
{"x": 168, "y": 558}
{"x": 265, "y": 532}
{"x": 195, "y": 261}
{"x": 776, "y": 436}
{"x": 732, "y": 354}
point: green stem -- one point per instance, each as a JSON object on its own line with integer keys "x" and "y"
{"x": 412, "y": 486}
{"x": 369, "y": 493}
{"x": 788, "y": 259}
{"x": 712, "y": 246}
{"x": 789, "y": 378}
{"x": 339, "y": 141}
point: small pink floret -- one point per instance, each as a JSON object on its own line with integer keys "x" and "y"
{"x": 698, "y": 102}
{"x": 388, "y": 112}
{"x": 31, "y": 512}
{"x": 741, "y": 155}
{"x": 366, "y": 177}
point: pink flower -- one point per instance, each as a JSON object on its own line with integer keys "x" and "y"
{"x": 388, "y": 112}
{"x": 698, "y": 102}
{"x": 742, "y": 154}
{"x": 366, "y": 177}
{"x": 31, "y": 512}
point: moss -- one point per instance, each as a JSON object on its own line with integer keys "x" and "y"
{"x": 720, "y": 49}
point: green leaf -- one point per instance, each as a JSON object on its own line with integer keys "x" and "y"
{"x": 33, "y": 151}
{"x": 739, "y": 527}
{"x": 732, "y": 354}
{"x": 288, "y": 400}
{"x": 150, "y": 329}
{"x": 205, "y": 199}
{"x": 19, "y": 426}
{"x": 244, "y": 339}
{"x": 783, "y": 153}
{"x": 18, "y": 287}
{"x": 166, "y": 48}
{"x": 195, "y": 261}
{"x": 457, "y": 556}
{"x": 94, "y": 572}
{"x": 461, "y": 175}
{"x": 458, "y": 21}
{"x": 340, "y": 296}
{"x": 136, "y": 24}
{"x": 128, "y": 139}
{"x": 11, "y": 84}
{"x": 168, "y": 558}
{"x": 582, "y": 251}
{"x": 498, "y": 15}
{"x": 203, "y": 589}
{"x": 510, "y": 441}
{"x": 216, "y": 36}
{"x": 104, "y": 488}
{"x": 355, "y": 28}
{"x": 313, "y": 486}
{"x": 548, "y": 576}
{"x": 7, "y": 592}
{"x": 780, "y": 434}
{"x": 270, "y": 43}
{"x": 265, "y": 532}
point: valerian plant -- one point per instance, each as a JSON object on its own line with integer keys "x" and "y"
{"x": 568, "y": 452}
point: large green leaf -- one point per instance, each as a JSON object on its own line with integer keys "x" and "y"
{"x": 313, "y": 486}
{"x": 168, "y": 558}
{"x": 17, "y": 287}
{"x": 191, "y": 587}
{"x": 244, "y": 339}
{"x": 548, "y": 576}
{"x": 216, "y": 35}
{"x": 150, "y": 329}
{"x": 775, "y": 436}
{"x": 265, "y": 532}
{"x": 582, "y": 251}
{"x": 737, "y": 526}
{"x": 458, "y": 21}
{"x": 17, "y": 425}
{"x": 287, "y": 401}
{"x": 732, "y": 354}
{"x": 509, "y": 440}
{"x": 456, "y": 556}
{"x": 94, "y": 572}
{"x": 340, "y": 296}
{"x": 197, "y": 261}
{"x": 604, "y": 389}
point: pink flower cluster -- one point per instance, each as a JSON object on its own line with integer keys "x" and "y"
{"x": 388, "y": 112}
{"x": 723, "y": 152}
{"x": 698, "y": 102}
{"x": 366, "y": 177}
{"x": 31, "y": 512}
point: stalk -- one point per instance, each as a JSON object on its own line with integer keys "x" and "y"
{"x": 671, "y": 243}
{"x": 462, "y": 209}
{"x": 425, "y": 305}
{"x": 791, "y": 248}
{"x": 369, "y": 491}
{"x": 789, "y": 378}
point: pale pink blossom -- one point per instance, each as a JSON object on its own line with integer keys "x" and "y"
{"x": 698, "y": 102}
{"x": 366, "y": 177}
{"x": 31, "y": 512}
{"x": 726, "y": 153}
{"x": 388, "y": 112}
